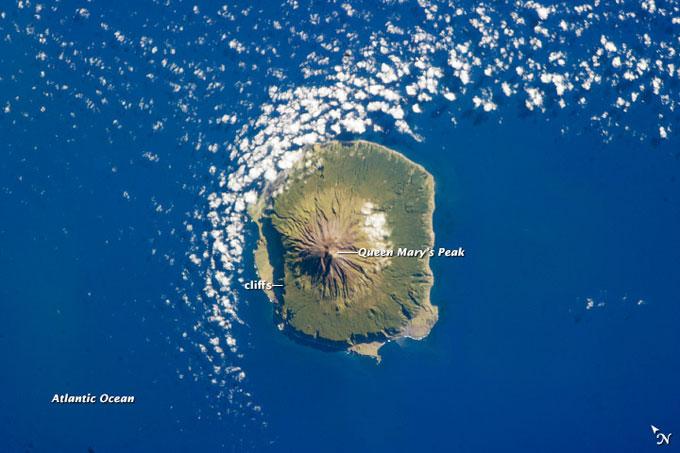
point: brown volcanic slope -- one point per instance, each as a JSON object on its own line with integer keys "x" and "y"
{"x": 321, "y": 239}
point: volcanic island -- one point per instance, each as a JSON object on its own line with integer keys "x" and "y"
{"x": 329, "y": 229}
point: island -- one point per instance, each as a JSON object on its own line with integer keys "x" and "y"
{"x": 336, "y": 234}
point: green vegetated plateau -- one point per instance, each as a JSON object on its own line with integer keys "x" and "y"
{"x": 313, "y": 216}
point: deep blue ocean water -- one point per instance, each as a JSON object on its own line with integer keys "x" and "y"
{"x": 517, "y": 362}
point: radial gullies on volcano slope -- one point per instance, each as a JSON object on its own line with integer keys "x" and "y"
{"x": 323, "y": 237}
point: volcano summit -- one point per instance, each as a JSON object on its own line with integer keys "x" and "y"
{"x": 323, "y": 236}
